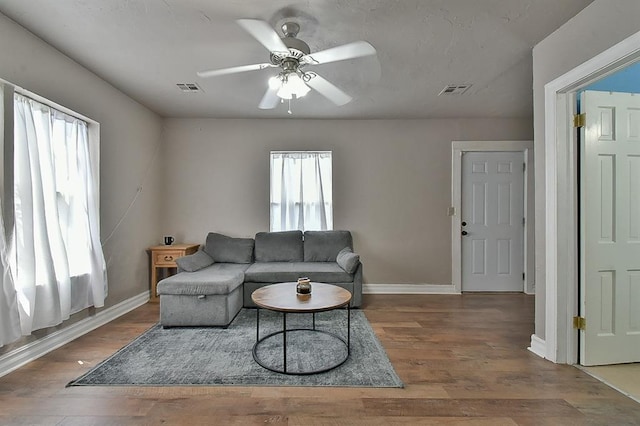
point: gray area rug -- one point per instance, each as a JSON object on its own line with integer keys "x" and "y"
{"x": 216, "y": 356}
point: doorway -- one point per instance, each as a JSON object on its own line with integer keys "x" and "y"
{"x": 561, "y": 210}
{"x": 522, "y": 150}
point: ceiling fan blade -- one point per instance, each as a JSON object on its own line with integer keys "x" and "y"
{"x": 263, "y": 32}
{"x": 326, "y": 89}
{"x": 270, "y": 99}
{"x": 356, "y": 49}
{"x": 233, "y": 70}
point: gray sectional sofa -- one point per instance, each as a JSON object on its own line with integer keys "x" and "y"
{"x": 213, "y": 284}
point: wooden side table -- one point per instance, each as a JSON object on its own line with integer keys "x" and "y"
{"x": 165, "y": 257}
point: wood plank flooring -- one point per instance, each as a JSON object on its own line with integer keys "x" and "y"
{"x": 463, "y": 360}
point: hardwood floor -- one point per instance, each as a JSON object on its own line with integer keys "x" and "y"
{"x": 463, "y": 360}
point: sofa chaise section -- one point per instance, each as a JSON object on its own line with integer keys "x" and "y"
{"x": 211, "y": 296}
{"x": 207, "y": 290}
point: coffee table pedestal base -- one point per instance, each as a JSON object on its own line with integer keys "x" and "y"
{"x": 285, "y": 333}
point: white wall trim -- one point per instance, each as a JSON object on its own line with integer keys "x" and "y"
{"x": 538, "y": 346}
{"x": 31, "y": 351}
{"x": 409, "y": 289}
{"x": 459, "y": 147}
{"x": 561, "y": 211}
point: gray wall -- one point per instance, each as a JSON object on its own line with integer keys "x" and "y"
{"x": 598, "y": 27}
{"x": 130, "y": 138}
{"x": 391, "y": 184}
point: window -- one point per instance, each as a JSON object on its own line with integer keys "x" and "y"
{"x": 301, "y": 193}
{"x": 56, "y": 259}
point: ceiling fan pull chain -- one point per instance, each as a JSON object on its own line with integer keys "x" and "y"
{"x": 289, "y": 110}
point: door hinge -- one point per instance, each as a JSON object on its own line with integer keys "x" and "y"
{"x": 580, "y": 323}
{"x": 579, "y": 120}
{"x": 523, "y": 276}
{"x": 524, "y": 167}
{"x": 524, "y": 221}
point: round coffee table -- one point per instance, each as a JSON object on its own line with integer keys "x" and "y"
{"x": 283, "y": 298}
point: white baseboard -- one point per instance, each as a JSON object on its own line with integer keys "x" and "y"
{"x": 409, "y": 289}
{"x": 31, "y": 351}
{"x": 538, "y": 346}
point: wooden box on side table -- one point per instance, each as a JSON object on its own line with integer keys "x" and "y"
{"x": 165, "y": 257}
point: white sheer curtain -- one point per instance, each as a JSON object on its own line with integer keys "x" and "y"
{"x": 57, "y": 259}
{"x": 9, "y": 315}
{"x": 301, "y": 191}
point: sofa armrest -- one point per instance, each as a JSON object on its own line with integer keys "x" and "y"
{"x": 356, "y": 298}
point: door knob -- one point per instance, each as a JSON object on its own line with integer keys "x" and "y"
{"x": 464, "y": 223}
{"x": 464, "y": 232}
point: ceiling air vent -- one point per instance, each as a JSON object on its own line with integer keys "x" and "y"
{"x": 189, "y": 88}
{"x": 454, "y": 89}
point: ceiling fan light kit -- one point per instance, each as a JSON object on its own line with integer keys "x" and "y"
{"x": 289, "y": 85}
{"x": 292, "y": 56}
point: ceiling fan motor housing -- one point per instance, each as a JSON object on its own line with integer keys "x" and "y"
{"x": 297, "y": 48}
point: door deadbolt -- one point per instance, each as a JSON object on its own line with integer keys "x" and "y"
{"x": 464, "y": 223}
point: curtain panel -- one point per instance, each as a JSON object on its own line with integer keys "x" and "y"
{"x": 301, "y": 191}
{"x": 56, "y": 258}
{"x": 9, "y": 313}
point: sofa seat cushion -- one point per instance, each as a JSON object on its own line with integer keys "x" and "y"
{"x": 275, "y": 272}
{"x": 219, "y": 278}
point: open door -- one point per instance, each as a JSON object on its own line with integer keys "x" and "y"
{"x": 610, "y": 228}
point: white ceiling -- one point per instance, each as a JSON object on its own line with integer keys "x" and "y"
{"x": 146, "y": 47}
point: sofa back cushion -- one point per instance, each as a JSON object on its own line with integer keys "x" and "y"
{"x": 279, "y": 246}
{"x": 324, "y": 246}
{"x": 224, "y": 249}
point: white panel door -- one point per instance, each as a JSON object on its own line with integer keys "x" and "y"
{"x": 492, "y": 221}
{"x": 610, "y": 228}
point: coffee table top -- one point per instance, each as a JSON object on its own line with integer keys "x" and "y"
{"x": 283, "y": 298}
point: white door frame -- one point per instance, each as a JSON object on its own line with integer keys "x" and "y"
{"x": 561, "y": 211}
{"x": 457, "y": 148}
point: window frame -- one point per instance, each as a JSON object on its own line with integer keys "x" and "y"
{"x": 328, "y": 205}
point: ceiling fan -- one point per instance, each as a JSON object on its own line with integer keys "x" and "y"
{"x": 293, "y": 56}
